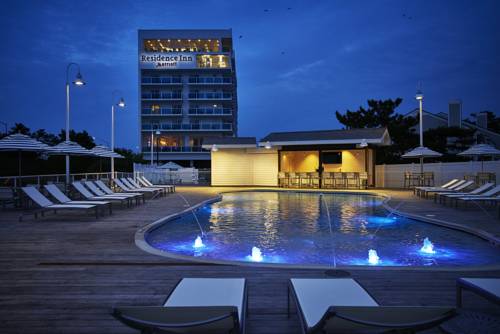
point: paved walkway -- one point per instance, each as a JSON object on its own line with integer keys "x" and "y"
{"x": 61, "y": 274}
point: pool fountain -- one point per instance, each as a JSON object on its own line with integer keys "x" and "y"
{"x": 194, "y": 214}
{"x": 198, "y": 243}
{"x": 256, "y": 255}
{"x": 428, "y": 247}
{"x": 323, "y": 200}
{"x": 373, "y": 257}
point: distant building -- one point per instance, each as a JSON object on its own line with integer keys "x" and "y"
{"x": 454, "y": 118}
{"x": 187, "y": 92}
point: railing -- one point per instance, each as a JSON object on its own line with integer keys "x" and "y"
{"x": 20, "y": 181}
{"x": 210, "y": 96}
{"x": 161, "y": 80}
{"x": 162, "y": 96}
{"x": 209, "y": 80}
{"x": 175, "y": 149}
{"x": 189, "y": 126}
{"x": 162, "y": 111}
{"x": 210, "y": 111}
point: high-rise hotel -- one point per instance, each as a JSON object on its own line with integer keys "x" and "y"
{"x": 187, "y": 92}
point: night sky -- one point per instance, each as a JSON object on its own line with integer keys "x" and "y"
{"x": 297, "y": 61}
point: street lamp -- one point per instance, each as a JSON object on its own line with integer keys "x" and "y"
{"x": 420, "y": 98}
{"x": 78, "y": 82}
{"x": 121, "y": 104}
{"x": 157, "y": 147}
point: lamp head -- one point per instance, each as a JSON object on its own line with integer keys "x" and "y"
{"x": 79, "y": 80}
{"x": 419, "y": 96}
{"x": 363, "y": 143}
{"x": 214, "y": 148}
{"x": 268, "y": 145}
{"x": 158, "y": 132}
{"x": 121, "y": 103}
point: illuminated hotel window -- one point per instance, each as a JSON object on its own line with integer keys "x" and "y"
{"x": 155, "y": 109}
{"x": 183, "y": 45}
{"x": 212, "y": 61}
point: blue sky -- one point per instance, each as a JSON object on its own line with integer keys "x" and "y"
{"x": 295, "y": 67}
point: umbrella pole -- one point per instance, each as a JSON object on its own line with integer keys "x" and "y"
{"x": 19, "y": 161}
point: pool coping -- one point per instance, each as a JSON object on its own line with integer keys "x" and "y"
{"x": 141, "y": 243}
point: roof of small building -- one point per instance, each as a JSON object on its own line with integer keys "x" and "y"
{"x": 230, "y": 142}
{"x": 342, "y": 136}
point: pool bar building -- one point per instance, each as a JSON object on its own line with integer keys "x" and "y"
{"x": 303, "y": 159}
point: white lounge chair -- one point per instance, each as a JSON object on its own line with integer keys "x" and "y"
{"x": 455, "y": 189}
{"x": 128, "y": 188}
{"x": 452, "y": 187}
{"x": 91, "y": 197}
{"x": 136, "y": 185}
{"x": 448, "y": 184}
{"x": 196, "y": 305}
{"x": 55, "y": 192}
{"x": 342, "y": 305}
{"x": 443, "y": 196}
{"x": 488, "y": 288}
{"x": 98, "y": 192}
{"x": 107, "y": 190}
{"x": 145, "y": 182}
{"x": 46, "y": 205}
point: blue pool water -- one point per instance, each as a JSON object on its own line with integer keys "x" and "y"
{"x": 293, "y": 228}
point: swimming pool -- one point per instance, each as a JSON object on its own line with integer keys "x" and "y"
{"x": 307, "y": 228}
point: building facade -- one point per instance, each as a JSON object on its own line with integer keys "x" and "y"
{"x": 187, "y": 92}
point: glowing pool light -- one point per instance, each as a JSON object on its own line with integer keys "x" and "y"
{"x": 256, "y": 255}
{"x": 428, "y": 247}
{"x": 373, "y": 258}
{"x": 198, "y": 243}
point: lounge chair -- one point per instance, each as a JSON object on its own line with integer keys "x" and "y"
{"x": 107, "y": 190}
{"x": 126, "y": 188}
{"x": 98, "y": 192}
{"x": 455, "y": 189}
{"x": 55, "y": 192}
{"x": 145, "y": 182}
{"x": 136, "y": 185}
{"x": 429, "y": 189}
{"x": 447, "y": 185}
{"x": 443, "y": 196}
{"x": 342, "y": 305}
{"x": 488, "y": 288}
{"x": 488, "y": 199}
{"x": 91, "y": 197}
{"x": 46, "y": 205}
{"x": 196, "y": 305}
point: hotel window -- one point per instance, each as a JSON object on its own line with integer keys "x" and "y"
{"x": 212, "y": 61}
{"x": 155, "y": 109}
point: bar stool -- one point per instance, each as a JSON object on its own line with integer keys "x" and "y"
{"x": 352, "y": 180}
{"x": 339, "y": 179}
{"x": 305, "y": 180}
{"x": 293, "y": 179}
{"x": 282, "y": 179}
{"x": 327, "y": 180}
{"x": 363, "y": 180}
{"x": 428, "y": 178}
{"x": 314, "y": 179}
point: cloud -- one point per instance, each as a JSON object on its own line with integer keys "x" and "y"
{"x": 302, "y": 69}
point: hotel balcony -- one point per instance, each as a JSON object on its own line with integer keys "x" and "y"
{"x": 210, "y": 81}
{"x": 161, "y": 81}
{"x": 210, "y": 96}
{"x": 161, "y": 112}
{"x": 188, "y": 127}
{"x": 210, "y": 112}
{"x": 161, "y": 96}
{"x": 175, "y": 149}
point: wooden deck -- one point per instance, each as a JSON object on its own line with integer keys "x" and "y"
{"x": 62, "y": 274}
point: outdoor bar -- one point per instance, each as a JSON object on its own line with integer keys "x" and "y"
{"x": 306, "y": 159}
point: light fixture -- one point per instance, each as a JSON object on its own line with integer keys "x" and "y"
{"x": 158, "y": 132}
{"x": 419, "y": 96}
{"x": 121, "y": 103}
{"x": 363, "y": 143}
{"x": 79, "y": 80}
{"x": 268, "y": 145}
{"x": 214, "y": 148}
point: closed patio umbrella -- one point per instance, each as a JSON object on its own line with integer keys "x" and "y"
{"x": 19, "y": 142}
{"x": 480, "y": 150}
{"x": 171, "y": 165}
{"x": 421, "y": 152}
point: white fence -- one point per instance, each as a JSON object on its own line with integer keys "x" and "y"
{"x": 166, "y": 176}
{"x": 392, "y": 176}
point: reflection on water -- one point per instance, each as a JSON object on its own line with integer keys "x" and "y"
{"x": 292, "y": 227}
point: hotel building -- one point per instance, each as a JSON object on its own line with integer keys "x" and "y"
{"x": 187, "y": 93}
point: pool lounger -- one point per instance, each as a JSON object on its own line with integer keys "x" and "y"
{"x": 488, "y": 288}
{"x": 98, "y": 192}
{"x": 196, "y": 305}
{"x": 456, "y": 189}
{"x": 46, "y": 205}
{"x": 441, "y": 197}
{"x": 124, "y": 187}
{"x": 136, "y": 185}
{"x": 108, "y": 191}
{"x": 145, "y": 182}
{"x": 455, "y": 185}
{"x": 91, "y": 197}
{"x": 55, "y": 192}
{"x": 342, "y": 305}
{"x": 417, "y": 190}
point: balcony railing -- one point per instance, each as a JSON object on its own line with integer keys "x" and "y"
{"x": 209, "y": 80}
{"x": 162, "y": 111}
{"x": 210, "y": 111}
{"x": 188, "y": 127}
{"x": 175, "y": 149}
{"x": 210, "y": 96}
{"x": 162, "y": 96}
{"x": 162, "y": 80}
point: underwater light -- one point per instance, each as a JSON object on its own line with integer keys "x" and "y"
{"x": 373, "y": 258}
{"x": 428, "y": 247}
{"x": 256, "y": 255}
{"x": 198, "y": 243}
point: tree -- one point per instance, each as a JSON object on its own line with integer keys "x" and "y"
{"x": 20, "y": 128}
{"x": 381, "y": 113}
{"x": 82, "y": 138}
{"x": 493, "y": 121}
{"x": 45, "y": 137}
{"x": 449, "y": 141}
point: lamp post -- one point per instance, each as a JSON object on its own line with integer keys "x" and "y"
{"x": 157, "y": 147}
{"x": 78, "y": 82}
{"x": 420, "y": 98}
{"x": 121, "y": 104}
{"x": 152, "y": 141}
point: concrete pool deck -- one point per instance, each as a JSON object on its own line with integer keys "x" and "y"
{"x": 61, "y": 274}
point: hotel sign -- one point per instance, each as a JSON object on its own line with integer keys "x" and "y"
{"x": 167, "y": 60}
